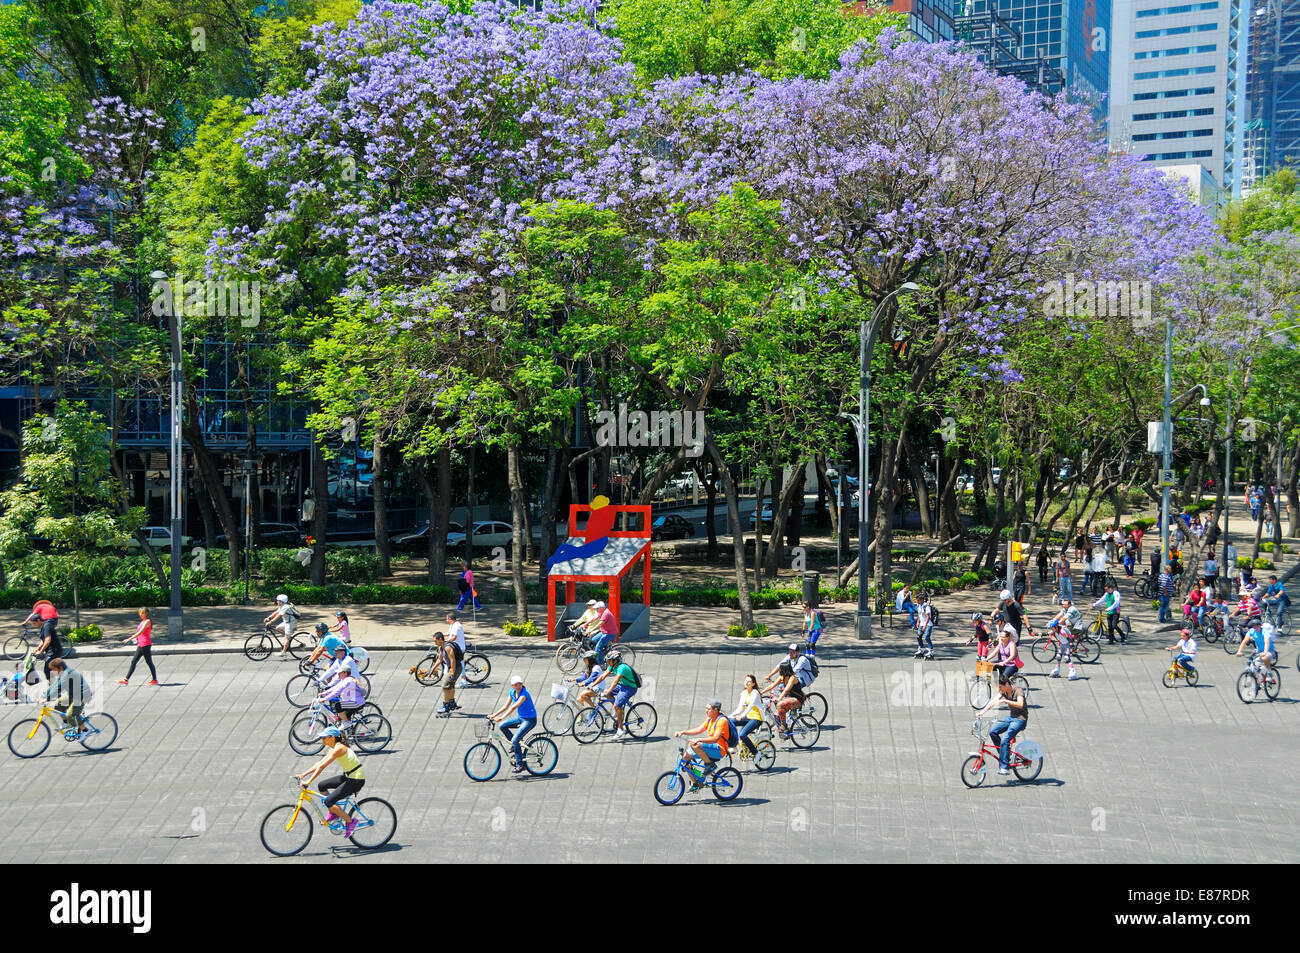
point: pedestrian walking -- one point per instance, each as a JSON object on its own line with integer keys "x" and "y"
{"x": 1042, "y": 564}
{"x": 143, "y": 639}
{"x": 1063, "y": 579}
{"x": 1165, "y": 591}
{"x": 466, "y": 586}
{"x": 1212, "y": 569}
{"x": 1020, "y": 583}
{"x": 1087, "y": 567}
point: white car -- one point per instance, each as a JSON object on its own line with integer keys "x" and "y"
{"x": 159, "y": 537}
{"x": 487, "y": 534}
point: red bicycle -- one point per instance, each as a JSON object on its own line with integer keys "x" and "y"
{"x": 1026, "y": 759}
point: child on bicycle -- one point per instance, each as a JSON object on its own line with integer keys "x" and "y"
{"x": 982, "y": 635}
{"x": 1186, "y": 646}
{"x": 587, "y": 683}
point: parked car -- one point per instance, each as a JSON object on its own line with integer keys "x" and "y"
{"x": 274, "y": 534}
{"x": 487, "y": 534}
{"x": 767, "y": 515}
{"x": 965, "y": 482}
{"x": 417, "y": 540}
{"x": 671, "y": 527}
{"x": 159, "y": 537}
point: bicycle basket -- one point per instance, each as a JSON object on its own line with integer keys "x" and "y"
{"x": 483, "y": 729}
{"x": 983, "y": 667}
{"x": 559, "y": 692}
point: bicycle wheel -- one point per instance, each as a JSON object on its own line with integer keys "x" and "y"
{"x": 281, "y": 839}
{"x": 669, "y": 788}
{"x": 641, "y": 720}
{"x": 1043, "y": 649}
{"x": 477, "y": 669}
{"x": 1193, "y": 676}
{"x": 980, "y": 692}
{"x": 300, "y": 646}
{"x": 588, "y": 724}
{"x": 973, "y": 771}
{"x": 1143, "y": 590}
{"x": 29, "y": 737}
{"x": 482, "y": 761}
{"x": 804, "y": 731}
{"x": 627, "y": 652}
{"x": 1231, "y": 641}
{"x": 762, "y": 733}
{"x": 1087, "y": 649}
{"x": 727, "y": 783}
{"x": 1212, "y": 632}
{"x": 815, "y": 705}
{"x": 372, "y": 733}
{"x": 557, "y": 719}
{"x": 301, "y": 691}
{"x": 304, "y": 734}
{"x": 1247, "y": 687}
{"x": 764, "y": 755}
{"x": 378, "y": 824}
{"x": 16, "y": 646}
{"x": 540, "y": 755}
{"x": 102, "y": 733}
{"x": 567, "y": 657}
{"x": 1028, "y": 772}
{"x": 1123, "y": 627}
{"x": 1021, "y": 683}
{"x": 1272, "y": 683}
{"x": 427, "y": 671}
{"x": 364, "y": 682}
{"x": 1169, "y": 678}
{"x": 258, "y": 647}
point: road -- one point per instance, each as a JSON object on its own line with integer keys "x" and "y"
{"x": 1134, "y": 772}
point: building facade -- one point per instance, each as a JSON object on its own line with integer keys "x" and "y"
{"x": 1272, "y": 135}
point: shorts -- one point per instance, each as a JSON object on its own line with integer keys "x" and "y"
{"x": 338, "y": 787}
{"x": 712, "y": 752}
{"x": 449, "y": 680}
{"x": 622, "y": 693}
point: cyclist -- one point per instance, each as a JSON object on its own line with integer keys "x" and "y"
{"x": 342, "y": 666}
{"x": 70, "y": 692}
{"x": 1014, "y": 699}
{"x": 585, "y": 621}
{"x": 747, "y": 715}
{"x": 588, "y": 694}
{"x": 1262, "y": 636}
{"x": 1013, "y": 613}
{"x": 452, "y": 658}
{"x": 1246, "y": 607}
{"x": 1194, "y": 604}
{"x": 621, "y": 689}
{"x": 982, "y": 635}
{"x": 1070, "y": 621}
{"x": 520, "y": 705}
{"x": 924, "y": 626}
{"x": 345, "y": 697}
{"x": 327, "y": 643}
{"x": 456, "y": 633}
{"x": 605, "y": 629}
{"x": 791, "y": 682}
{"x": 813, "y": 622}
{"x": 713, "y": 745}
{"x": 1110, "y": 602}
{"x": 1186, "y": 646}
{"x": 1006, "y": 654}
{"x": 49, "y": 616}
{"x": 340, "y": 626}
{"x": 287, "y": 613}
{"x": 1275, "y": 598}
{"x": 338, "y": 787}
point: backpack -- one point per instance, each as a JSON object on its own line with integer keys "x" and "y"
{"x": 635, "y": 677}
{"x": 290, "y": 612}
{"x": 821, "y": 619}
{"x": 733, "y": 736}
{"x": 813, "y": 670}
{"x": 456, "y": 652}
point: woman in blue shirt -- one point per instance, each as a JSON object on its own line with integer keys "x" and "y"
{"x": 524, "y": 720}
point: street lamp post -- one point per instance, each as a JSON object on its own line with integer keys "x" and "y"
{"x": 866, "y": 334}
{"x": 175, "y": 617}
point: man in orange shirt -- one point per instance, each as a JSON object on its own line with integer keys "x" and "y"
{"x": 713, "y": 746}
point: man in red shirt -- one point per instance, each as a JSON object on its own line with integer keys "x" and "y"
{"x": 49, "y": 616}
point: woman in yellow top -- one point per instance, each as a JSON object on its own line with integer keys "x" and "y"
{"x": 339, "y": 786}
{"x": 748, "y": 716}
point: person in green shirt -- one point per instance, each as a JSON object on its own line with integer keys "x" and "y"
{"x": 623, "y": 684}
{"x": 69, "y": 689}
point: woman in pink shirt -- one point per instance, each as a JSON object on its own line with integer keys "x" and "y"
{"x": 143, "y": 648}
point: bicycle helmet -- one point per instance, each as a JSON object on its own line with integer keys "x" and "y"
{"x": 590, "y": 654}
{"x": 322, "y": 628}
{"x": 282, "y": 598}
{"x": 1004, "y": 595}
{"x": 331, "y": 733}
{"x": 977, "y": 617}
{"x": 613, "y": 654}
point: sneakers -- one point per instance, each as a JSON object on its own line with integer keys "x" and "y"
{"x": 351, "y": 827}
{"x": 152, "y": 681}
{"x": 443, "y": 710}
{"x": 517, "y": 769}
{"x": 282, "y": 655}
{"x": 1004, "y": 770}
{"x": 1056, "y": 672}
{"x": 1073, "y": 674}
{"x": 620, "y": 734}
{"x": 123, "y": 681}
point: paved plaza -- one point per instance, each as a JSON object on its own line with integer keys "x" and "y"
{"x": 1134, "y": 772}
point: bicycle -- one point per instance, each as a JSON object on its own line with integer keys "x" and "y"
{"x": 98, "y": 733}
{"x": 483, "y": 760}
{"x": 475, "y": 668}
{"x": 1233, "y": 634}
{"x": 590, "y": 723}
{"x": 569, "y": 654}
{"x": 1049, "y": 647}
{"x": 17, "y": 646}
{"x": 301, "y": 690}
{"x": 981, "y": 689}
{"x": 1277, "y": 615}
{"x": 369, "y": 730}
{"x": 259, "y": 646}
{"x": 289, "y": 828}
{"x": 1258, "y": 676}
{"x": 1210, "y": 630}
{"x": 1145, "y": 587}
{"x": 803, "y": 730}
{"x": 1099, "y": 627}
{"x": 1177, "y": 671}
{"x": 671, "y": 785}
{"x": 1026, "y": 759}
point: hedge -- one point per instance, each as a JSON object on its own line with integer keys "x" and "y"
{"x": 396, "y": 595}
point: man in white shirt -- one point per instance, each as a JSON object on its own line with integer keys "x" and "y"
{"x": 456, "y": 631}
{"x": 1098, "y": 570}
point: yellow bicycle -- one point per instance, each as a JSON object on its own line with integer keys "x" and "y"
{"x": 287, "y": 829}
{"x": 31, "y": 736}
{"x": 1176, "y": 671}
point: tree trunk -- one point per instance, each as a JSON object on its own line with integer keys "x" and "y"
{"x": 423, "y": 472}
{"x": 982, "y": 517}
{"x": 827, "y": 490}
{"x": 780, "y": 516}
{"x": 209, "y": 520}
{"x": 379, "y": 493}
{"x": 516, "y": 481}
{"x": 211, "y": 478}
{"x": 737, "y": 535}
{"x": 320, "y": 519}
{"x": 557, "y": 465}
{"x": 921, "y": 488}
{"x": 710, "y": 511}
{"x": 794, "y": 530}
{"x": 442, "y": 502}
{"x": 884, "y": 521}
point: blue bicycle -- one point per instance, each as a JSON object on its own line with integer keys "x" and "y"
{"x": 689, "y": 777}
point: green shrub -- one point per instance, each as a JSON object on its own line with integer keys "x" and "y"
{"x": 87, "y": 633}
{"x": 759, "y": 631}
{"x": 314, "y": 595}
{"x": 1268, "y": 547}
{"x": 1262, "y": 563}
{"x": 1145, "y": 522}
{"x": 1243, "y": 562}
{"x": 526, "y": 629}
{"x": 970, "y": 578}
{"x": 734, "y": 631}
{"x": 396, "y": 595}
{"x": 280, "y": 566}
{"x": 351, "y": 564}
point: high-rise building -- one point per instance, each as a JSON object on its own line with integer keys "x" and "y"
{"x": 1272, "y": 135}
{"x": 1177, "y": 84}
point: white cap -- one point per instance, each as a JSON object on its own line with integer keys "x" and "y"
{"x": 1010, "y": 630}
{"x": 601, "y": 605}
{"x": 282, "y": 598}
{"x": 1004, "y": 595}
{"x": 516, "y": 680}
{"x": 794, "y": 647}
{"x": 592, "y": 602}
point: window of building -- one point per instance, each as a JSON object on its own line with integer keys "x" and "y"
{"x": 1182, "y": 8}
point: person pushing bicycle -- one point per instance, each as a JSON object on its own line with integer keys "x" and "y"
{"x": 336, "y": 788}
